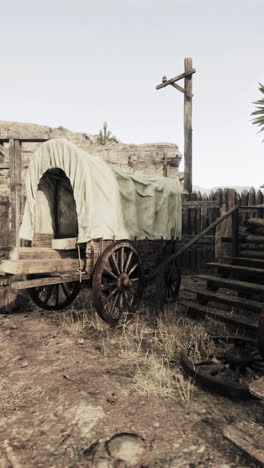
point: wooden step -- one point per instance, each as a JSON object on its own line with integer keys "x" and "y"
{"x": 233, "y": 284}
{"x": 237, "y": 268}
{"x": 225, "y": 299}
{"x": 218, "y": 314}
{"x": 245, "y": 261}
{"x": 252, "y": 253}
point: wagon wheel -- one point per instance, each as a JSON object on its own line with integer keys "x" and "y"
{"x": 117, "y": 283}
{"x": 54, "y": 296}
{"x": 169, "y": 283}
{"x": 223, "y": 372}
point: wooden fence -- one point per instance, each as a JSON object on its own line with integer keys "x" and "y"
{"x": 199, "y": 211}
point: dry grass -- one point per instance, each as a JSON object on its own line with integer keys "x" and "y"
{"x": 148, "y": 345}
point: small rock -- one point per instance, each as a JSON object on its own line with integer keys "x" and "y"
{"x": 156, "y": 424}
{"x": 103, "y": 463}
{"x": 126, "y": 447}
{"x": 80, "y": 341}
{"x": 201, "y": 449}
{"x": 24, "y": 364}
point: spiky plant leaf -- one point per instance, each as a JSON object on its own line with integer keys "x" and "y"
{"x": 259, "y": 112}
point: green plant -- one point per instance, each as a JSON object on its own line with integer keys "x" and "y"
{"x": 259, "y": 112}
{"x": 104, "y": 135}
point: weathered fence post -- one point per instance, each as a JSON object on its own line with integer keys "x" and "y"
{"x": 15, "y": 189}
{"x": 225, "y": 242}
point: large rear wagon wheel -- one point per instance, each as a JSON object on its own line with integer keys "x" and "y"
{"x": 55, "y": 296}
{"x": 169, "y": 283}
{"x": 117, "y": 284}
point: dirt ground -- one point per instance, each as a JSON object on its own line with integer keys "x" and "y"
{"x": 68, "y": 381}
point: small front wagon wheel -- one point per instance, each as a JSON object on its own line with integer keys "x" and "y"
{"x": 54, "y": 296}
{"x": 117, "y": 284}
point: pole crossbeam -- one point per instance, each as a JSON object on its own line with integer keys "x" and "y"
{"x": 176, "y": 78}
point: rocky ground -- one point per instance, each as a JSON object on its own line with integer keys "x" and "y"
{"x": 70, "y": 384}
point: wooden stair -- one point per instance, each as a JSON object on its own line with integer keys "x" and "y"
{"x": 234, "y": 292}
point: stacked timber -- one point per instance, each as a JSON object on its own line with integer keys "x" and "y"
{"x": 252, "y": 238}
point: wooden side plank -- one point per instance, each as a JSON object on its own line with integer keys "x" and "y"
{"x": 64, "y": 244}
{"x": 25, "y": 267}
{"x": 41, "y": 253}
{"x": 249, "y": 437}
{"x": 17, "y": 285}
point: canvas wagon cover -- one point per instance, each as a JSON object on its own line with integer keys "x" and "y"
{"x": 110, "y": 203}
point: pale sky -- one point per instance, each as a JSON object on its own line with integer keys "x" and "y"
{"x": 80, "y": 63}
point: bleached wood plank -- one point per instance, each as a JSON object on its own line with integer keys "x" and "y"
{"x": 17, "y": 285}
{"x": 64, "y": 244}
{"x": 41, "y": 253}
{"x": 256, "y": 388}
{"x": 25, "y": 267}
{"x": 249, "y": 437}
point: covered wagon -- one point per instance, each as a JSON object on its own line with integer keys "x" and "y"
{"x": 87, "y": 222}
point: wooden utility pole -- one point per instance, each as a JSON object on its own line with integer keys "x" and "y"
{"x": 187, "y": 91}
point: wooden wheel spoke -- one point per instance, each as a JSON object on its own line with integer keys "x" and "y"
{"x": 132, "y": 295}
{"x": 106, "y": 286}
{"x": 57, "y": 294}
{"x": 133, "y": 268}
{"x": 65, "y": 290}
{"x": 128, "y": 261}
{"x": 134, "y": 279}
{"x": 121, "y": 302}
{"x": 113, "y": 292}
{"x": 115, "y": 263}
{"x": 113, "y": 304}
{"x": 111, "y": 273}
{"x": 127, "y": 301}
{"x": 48, "y": 293}
{"x": 122, "y": 259}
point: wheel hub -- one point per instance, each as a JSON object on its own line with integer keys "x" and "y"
{"x": 123, "y": 281}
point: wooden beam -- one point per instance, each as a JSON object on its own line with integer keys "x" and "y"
{"x": 15, "y": 189}
{"x": 200, "y": 204}
{"x": 17, "y": 285}
{"x": 188, "y": 126}
{"x": 183, "y": 90}
{"x": 25, "y": 140}
{"x": 176, "y": 78}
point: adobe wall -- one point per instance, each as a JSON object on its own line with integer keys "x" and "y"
{"x": 149, "y": 158}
